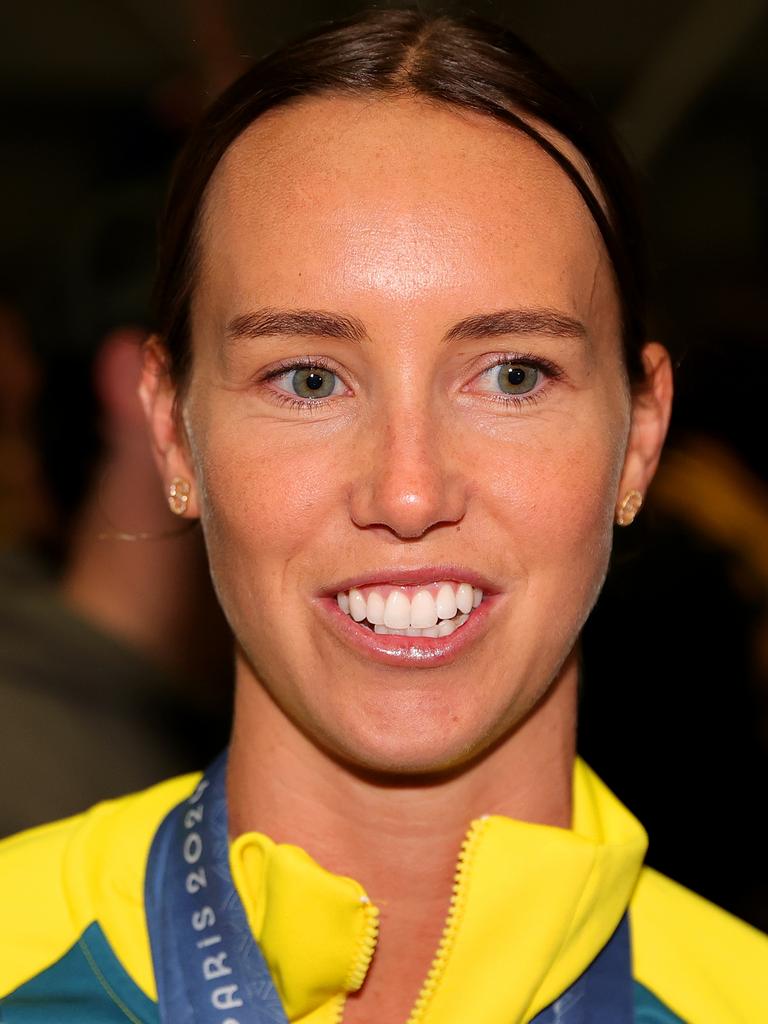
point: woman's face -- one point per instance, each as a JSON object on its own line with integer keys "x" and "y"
{"x": 407, "y": 372}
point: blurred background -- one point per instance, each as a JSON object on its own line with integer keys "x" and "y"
{"x": 114, "y": 662}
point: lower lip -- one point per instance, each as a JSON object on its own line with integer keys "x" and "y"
{"x": 407, "y": 651}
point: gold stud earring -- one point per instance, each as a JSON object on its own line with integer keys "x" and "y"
{"x": 178, "y": 495}
{"x": 628, "y": 509}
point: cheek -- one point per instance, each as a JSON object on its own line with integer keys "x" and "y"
{"x": 556, "y": 497}
{"x": 263, "y": 499}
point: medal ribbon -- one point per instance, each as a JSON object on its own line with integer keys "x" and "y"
{"x": 604, "y": 993}
{"x": 209, "y": 968}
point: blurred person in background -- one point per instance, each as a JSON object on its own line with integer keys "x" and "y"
{"x": 114, "y": 663}
{"x": 400, "y": 373}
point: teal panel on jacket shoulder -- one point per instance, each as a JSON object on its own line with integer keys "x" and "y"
{"x": 650, "y": 1010}
{"x": 88, "y": 985}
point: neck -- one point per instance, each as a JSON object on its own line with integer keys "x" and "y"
{"x": 282, "y": 784}
{"x": 399, "y": 838}
{"x": 133, "y": 589}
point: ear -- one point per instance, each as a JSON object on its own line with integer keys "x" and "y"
{"x": 158, "y": 395}
{"x": 116, "y": 373}
{"x": 651, "y": 409}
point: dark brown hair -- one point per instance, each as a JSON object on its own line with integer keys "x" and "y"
{"x": 463, "y": 62}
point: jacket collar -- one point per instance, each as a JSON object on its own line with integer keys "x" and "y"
{"x": 534, "y": 906}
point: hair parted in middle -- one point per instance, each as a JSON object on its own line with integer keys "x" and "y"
{"x": 463, "y": 62}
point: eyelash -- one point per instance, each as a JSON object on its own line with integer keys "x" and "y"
{"x": 302, "y": 363}
{"x": 548, "y": 369}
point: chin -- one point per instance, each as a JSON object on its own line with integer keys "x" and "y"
{"x": 403, "y": 762}
{"x": 413, "y": 741}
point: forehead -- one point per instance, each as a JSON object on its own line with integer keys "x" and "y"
{"x": 338, "y": 198}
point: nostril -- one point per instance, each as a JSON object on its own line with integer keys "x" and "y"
{"x": 407, "y": 499}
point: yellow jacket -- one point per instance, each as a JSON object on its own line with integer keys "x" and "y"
{"x": 532, "y": 907}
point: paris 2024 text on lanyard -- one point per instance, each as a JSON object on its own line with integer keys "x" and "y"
{"x": 209, "y": 968}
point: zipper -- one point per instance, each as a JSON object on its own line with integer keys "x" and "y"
{"x": 367, "y": 946}
{"x": 341, "y": 1002}
{"x": 453, "y": 919}
{"x": 362, "y": 960}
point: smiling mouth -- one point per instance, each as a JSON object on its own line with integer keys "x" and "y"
{"x": 430, "y": 610}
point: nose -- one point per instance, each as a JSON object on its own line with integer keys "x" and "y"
{"x": 409, "y": 477}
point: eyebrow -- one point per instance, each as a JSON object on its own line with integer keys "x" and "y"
{"x": 320, "y": 324}
{"x": 309, "y": 322}
{"x": 517, "y": 321}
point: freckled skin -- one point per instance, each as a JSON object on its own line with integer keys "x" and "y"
{"x": 409, "y": 217}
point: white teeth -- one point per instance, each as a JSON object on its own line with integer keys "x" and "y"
{"x": 397, "y": 611}
{"x": 448, "y": 626}
{"x": 446, "y": 602}
{"x": 445, "y": 628}
{"x": 357, "y": 605}
{"x": 464, "y": 598}
{"x": 375, "y": 613}
{"x": 423, "y": 610}
{"x": 422, "y": 615}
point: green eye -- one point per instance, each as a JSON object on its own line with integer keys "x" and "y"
{"x": 517, "y": 378}
{"x": 313, "y": 382}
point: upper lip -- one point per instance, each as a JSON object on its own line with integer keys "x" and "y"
{"x": 402, "y": 577}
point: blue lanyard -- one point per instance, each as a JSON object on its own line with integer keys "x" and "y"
{"x": 604, "y": 993}
{"x": 209, "y": 968}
